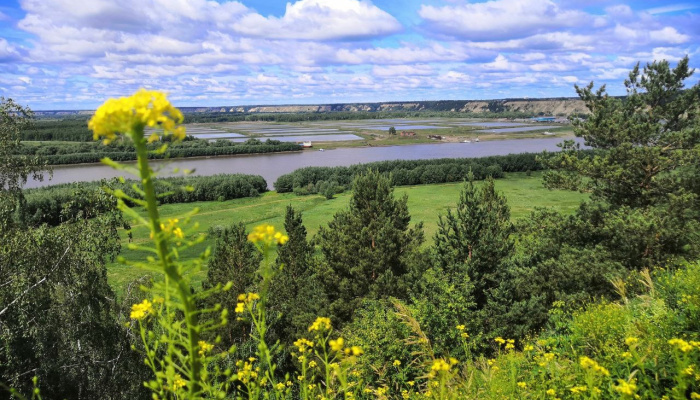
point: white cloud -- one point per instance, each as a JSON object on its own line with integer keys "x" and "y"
{"x": 500, "y": 19}
{"x": 402, "y": 70}
{"x": 8, "y": 52}
{"x": 406, "y": 54}
{"x": 322, "y": 20}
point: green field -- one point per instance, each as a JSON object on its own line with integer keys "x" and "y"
{"x": 425, "y": 203}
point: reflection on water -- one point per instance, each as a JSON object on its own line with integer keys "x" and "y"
{"x": 271, "y": 166}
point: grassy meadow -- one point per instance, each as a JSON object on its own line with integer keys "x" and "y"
{"x": 426, "y": 203}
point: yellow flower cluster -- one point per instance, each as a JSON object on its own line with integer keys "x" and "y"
{"x": 246, "y": 372}
{"x": 172, "y": 228}
{"x": 321, "y": 324}
{"x": 244, "y": 299}
{"x": 442, "y": 365}
{"x": 684, "y": 346}
{"x": 626, "y": 388}
{"x": 205, "y": 347}
{"x": 141, "y": 310}
{"x": 178, "y": 382}
{"x": 510, "y": 343}
{"x": 631, "y": 341}
{"x": 337, "y": 344}
{"x": 522, "y": 385}
{"x": 578, "y": 389}
{"x": 303, "y": 345}
{"x": 354, "y": 351}
{"x": 143, "y": 108}
{"x": 590, "y": 364}
{"x": 267, "y": 235}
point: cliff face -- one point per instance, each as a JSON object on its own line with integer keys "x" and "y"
{"x": 555, "y": 106}
{"x": 558, "y": 107}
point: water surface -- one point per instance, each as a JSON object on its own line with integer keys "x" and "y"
{"x": 272, "y": 165}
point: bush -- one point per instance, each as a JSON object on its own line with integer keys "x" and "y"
{"x": 53, "y": 205}
{"x": 409, "y": 172}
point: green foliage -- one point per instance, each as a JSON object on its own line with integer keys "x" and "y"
{"x": 59, "y": 318}
{"x": 55, "y": 204}
{"x": 234, "y": 260}
{"x": 367, "y": 248}
{"x": 14, "y": 170}
{"x": 295, "y": 293}
{"x": 475, "y": 239}
{"x": 409, "y": 172}
{"x": 57, "y": 153}
{"x": 644, "y": 185}
{"x": 378, "y": 325}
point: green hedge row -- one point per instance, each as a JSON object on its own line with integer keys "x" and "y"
{"x": 409, "y": 172}
{"x": 174, "y": 152}
{"x": 54, "y": 204}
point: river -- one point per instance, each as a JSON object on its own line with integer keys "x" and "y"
{"x": 272, "y": 165}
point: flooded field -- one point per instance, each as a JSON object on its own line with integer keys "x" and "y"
{"x": 399, "y": 127}
{"x": 373, "y": 131}
{"x": 491, "y": 124}
{"x": 521, "y": 129}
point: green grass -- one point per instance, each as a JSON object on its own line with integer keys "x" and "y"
{"x": 425, "y": 203}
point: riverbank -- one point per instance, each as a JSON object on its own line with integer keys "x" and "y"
{"x": 272, "y": 165}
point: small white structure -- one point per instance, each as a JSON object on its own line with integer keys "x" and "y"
{"x": 306, "y": 145}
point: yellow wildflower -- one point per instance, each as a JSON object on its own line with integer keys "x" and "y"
{"x": 178, "y": 382}
{"x": 522, "y": 385}
{"x": 631, "y": 341}
{"x": 461, "y": 327}
{"x": 588, "y": 363}
{"x": 127, "y": 114}
{"x": 626, "y": 388}
{"x": 141, "y": 310}
{"x": 312, "y": 364}
{"x": 529, "y": 347}
{"x": 440, "y": 365}
{"x": 240, "y": 308}
{"x": 205, "y": 347}
{"x": 280, "y": 386}
{"x": 499, "y": 340}
{"x": 578, "y": 389}
{"x": 681, "y": 345}
{"x": 321, "y": 324}
{"x": 337, "y": 345}
{"x": 267, "y": 235}
{"x": 303, "y": 344}
{"x": 551, "y": 392}
{"x": 397, "y": 363}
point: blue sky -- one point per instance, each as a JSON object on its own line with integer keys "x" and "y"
{"x": 69, "y": 54}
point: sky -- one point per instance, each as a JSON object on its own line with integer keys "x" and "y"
{"x": 70, "y": 54}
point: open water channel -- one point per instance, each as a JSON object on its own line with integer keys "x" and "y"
{"x": 272, "y": 165}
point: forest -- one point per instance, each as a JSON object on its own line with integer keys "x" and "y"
{"x": 603, "y": 303}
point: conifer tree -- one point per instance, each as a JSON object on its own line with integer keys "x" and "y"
{"x": 235, "y": 259}
{"x": 475, "y": 239}
{"x": 294, "y": 292}
{"x": 366, "y": 248}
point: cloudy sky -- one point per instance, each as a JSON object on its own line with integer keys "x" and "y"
{"x": 70, "y": 54}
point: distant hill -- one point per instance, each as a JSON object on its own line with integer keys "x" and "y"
{"x": 551, "y": 106}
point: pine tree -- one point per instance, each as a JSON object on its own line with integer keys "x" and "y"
{"x": 295, "y": 296}
{"x": 475, "y": 239}
{"x": 366, "y": 248}
{"x": 235, "y": 260}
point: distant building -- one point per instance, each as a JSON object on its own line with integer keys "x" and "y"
{"x": 544, "y": 119}
{"x": 407, "y": 133}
